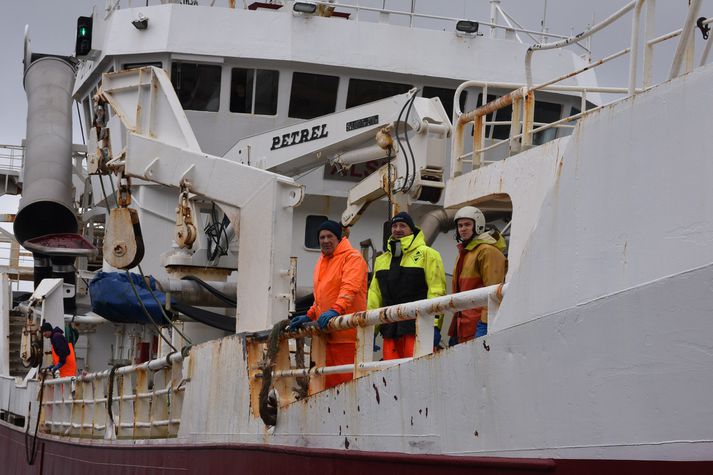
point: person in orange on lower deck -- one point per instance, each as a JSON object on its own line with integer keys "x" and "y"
{"x": 340, "y": 282}
{"x": 63, "y": 358}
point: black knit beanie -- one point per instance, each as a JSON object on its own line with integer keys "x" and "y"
{"x": 333, "y": 227}
{"x": 404, "y": 217}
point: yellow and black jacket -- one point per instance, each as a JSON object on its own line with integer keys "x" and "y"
{"x": 408, "y": 271}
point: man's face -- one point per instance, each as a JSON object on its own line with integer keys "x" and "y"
{"x": 47, "y": 334}
{"x": 400, "y": 229}
{"x": 465, "y": 228}
{"x": 327, "y": 242}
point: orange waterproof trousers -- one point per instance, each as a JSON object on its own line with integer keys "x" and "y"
{"x": 401, "y": 347}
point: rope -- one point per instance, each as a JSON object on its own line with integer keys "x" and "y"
{"x": 268, "y": 408}
{"x": 110, "y": 396}
{"x": 163, "y": 312}
{"x": 31, "y": 452}
{"x": 302, "y": 386}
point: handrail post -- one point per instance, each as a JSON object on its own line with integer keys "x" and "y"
{"x": 494, "y": 17}
{"x": 684, "y": 41}
{"x": 515, "y": 125}
{"x": 424, "y": 336}
{"x": 529, "y": 120}
{"x": 478, "y": 141}
{"x": 634, "y": 57}
{"x": 457, "y": 150}
{"x": 364, "y": 349}
{"x": 649, "y": 29}
{"x": 318, "y": 354}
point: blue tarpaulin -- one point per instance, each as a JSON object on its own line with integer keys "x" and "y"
{"x": 113, "y": 298}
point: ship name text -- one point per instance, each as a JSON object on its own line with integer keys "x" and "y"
{"x": 299, "y": 136}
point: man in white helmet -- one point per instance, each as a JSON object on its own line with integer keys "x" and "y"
{"x": 480, "y": 263}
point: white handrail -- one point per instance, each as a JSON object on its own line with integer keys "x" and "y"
{"x": 572, "y": 39}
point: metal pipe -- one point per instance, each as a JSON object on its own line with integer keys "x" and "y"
{"x": 409, "y": 311}
{"x": 339, "y": 369}
{"x": 46, "y": 206}
{"x": 191, "y": 293}
{"x": 648, "y": 46}
{"x": 435, "y": 222}
{"x": 573, "y": 39}
{"x": 153, "y": 365}
{"x": 493, "y": 16}
{"x": 634, "y": 58}
{"x": 686, "y": 33}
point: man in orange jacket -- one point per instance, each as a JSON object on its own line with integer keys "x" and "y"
{"x": 63, "y": 358}
{"x": 340, "y": 282}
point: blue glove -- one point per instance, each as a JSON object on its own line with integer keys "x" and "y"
{"x": 453, "y": 341}
{"x": 436, "y": 337}
{"x": 481, "y": 329}
{"x": 324, "y": 319}
{"x": 297, "y": 322}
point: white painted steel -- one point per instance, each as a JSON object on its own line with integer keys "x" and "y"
{"x": 260, "y": 201}
{"x": 571, "y": 257}
{"x": 5, "y": 304}
{"x": 683, "y": 43}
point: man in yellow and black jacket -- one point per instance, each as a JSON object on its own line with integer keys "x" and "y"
{"x": 408, "y": 271}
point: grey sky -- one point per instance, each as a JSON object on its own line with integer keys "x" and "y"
{"x": 52, "y": 25}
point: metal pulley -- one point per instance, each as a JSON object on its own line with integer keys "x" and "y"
{"x": 31, "y": 345}
{"x": 185, "y": 229}
{"x": 123, "y": 243}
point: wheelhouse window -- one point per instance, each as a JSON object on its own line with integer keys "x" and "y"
{"x": 197, "y": 85}
{"x": 363, "y": 91}
{"x": 254, "y": 91}
{"x": 158, "y": 64}
{"x": 546, "y": 112}
{"x": 311, "y": 230}
{"x": 446, "y": 97}
{"x": 313, "y": 95}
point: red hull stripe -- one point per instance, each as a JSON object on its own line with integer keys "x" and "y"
{"x": 57, "y": 457}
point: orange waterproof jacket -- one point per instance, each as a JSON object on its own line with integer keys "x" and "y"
{"x": 69, "y": 368}
{"x": 480, "y": 263}
{"x": 340, "y": 283}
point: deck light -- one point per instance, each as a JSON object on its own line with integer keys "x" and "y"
{"x": 304, "y": 7}
{"x": 142, "y": 23}
{"x": 467, "y": 26}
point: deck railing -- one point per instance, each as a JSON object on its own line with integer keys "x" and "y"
{"x": 522, "y": 98}
{"x": 131, "y": 402}
{"x": 284, "y": 368}
{"x": 499, "y": 22}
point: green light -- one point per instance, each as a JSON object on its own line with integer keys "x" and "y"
{"x": 82, "y": 31}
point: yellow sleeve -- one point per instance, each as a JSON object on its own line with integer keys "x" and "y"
{"x": 435, "y": 279}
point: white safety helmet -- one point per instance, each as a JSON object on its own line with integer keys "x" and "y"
{"x": 471, "y": 212}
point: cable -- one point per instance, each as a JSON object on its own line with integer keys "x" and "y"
{"x": 408, "y": 143}
{"x": 163, "y": 312}
{"x": 217, "y": 293}
{"x": 398, "y": 141}
{"x": 148, "y": 314}
{"x": 81, "y": 127}
{"x": 214, "y": 231}
{"x": 31, "y": 454}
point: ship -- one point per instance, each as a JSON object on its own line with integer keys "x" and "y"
{"x": 174, "y": 243}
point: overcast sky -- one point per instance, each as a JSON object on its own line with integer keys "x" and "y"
{"x": 52, "y": 28}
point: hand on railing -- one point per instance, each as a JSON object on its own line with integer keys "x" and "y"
{"x": 297, "y": 322}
